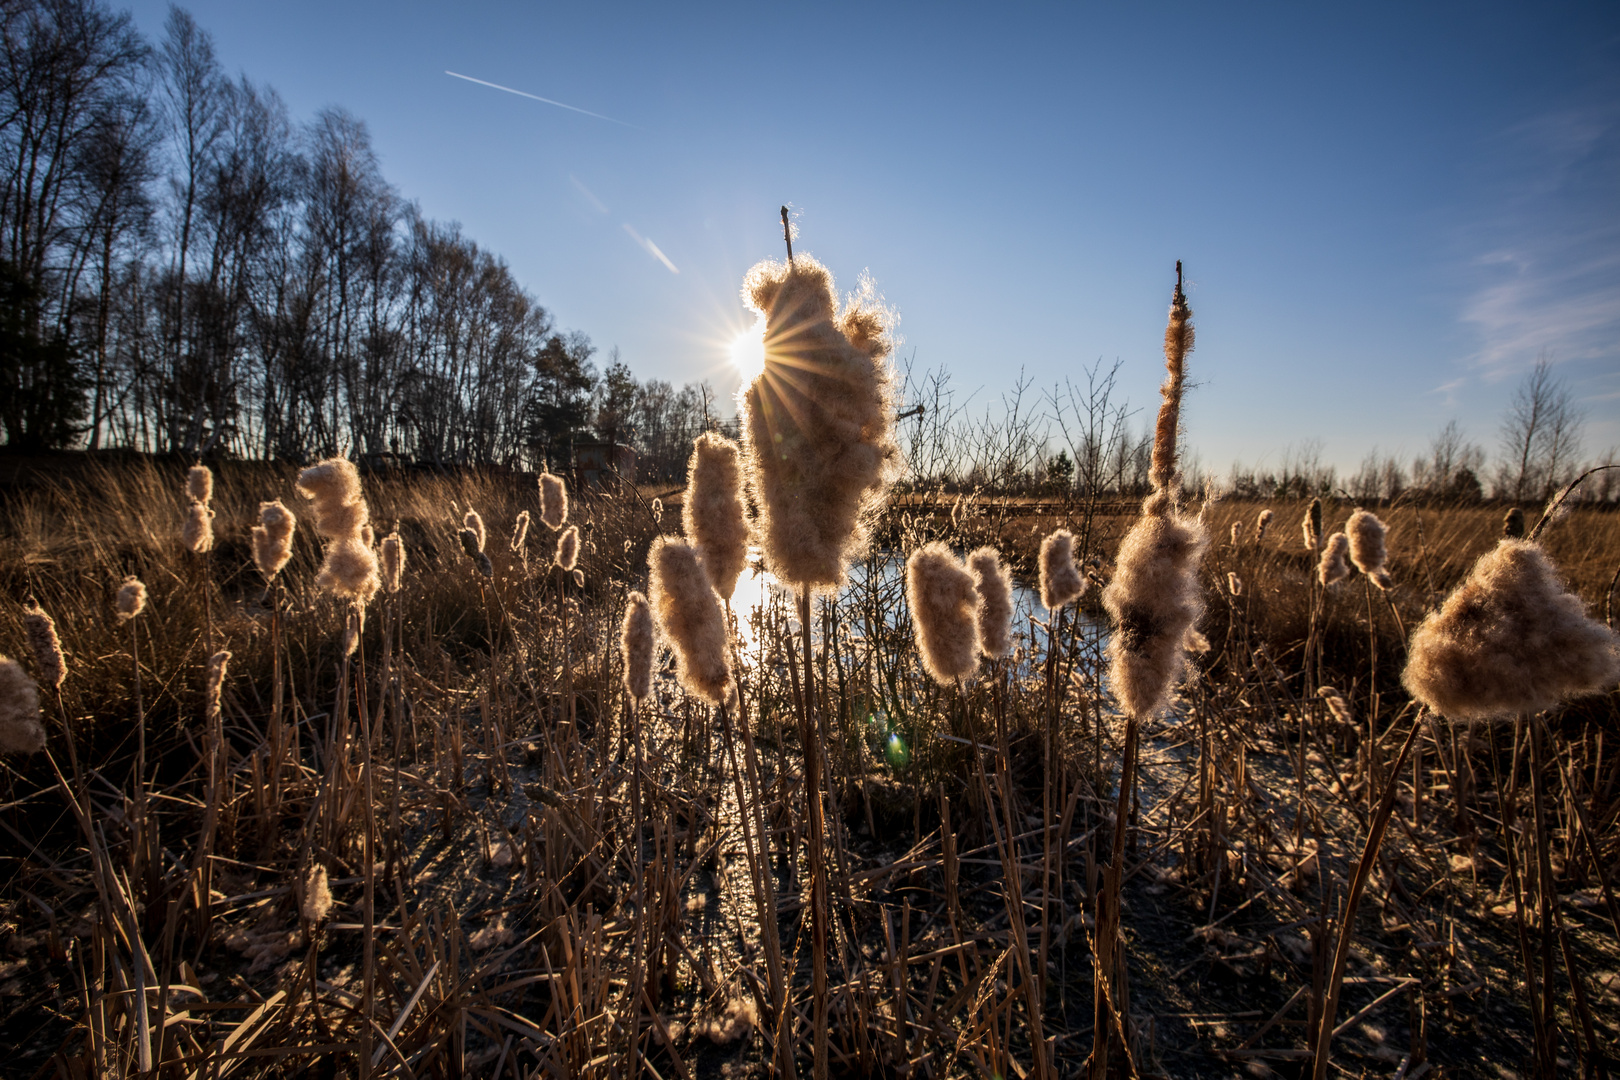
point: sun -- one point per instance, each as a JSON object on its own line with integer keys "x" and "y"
{"x": 748, "y": 351}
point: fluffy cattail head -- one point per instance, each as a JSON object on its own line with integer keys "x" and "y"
{"x": 393, "y": 561}
{"x": 942, "y": 597}
{"x": 658, "y": 511}
{"x": 317, "y": 903}
{"x": 353, "y": 627}
{"x": 1334, "y": 566}
{"x": 684, "y": 605}
{"x": 520, "y": 531}
{"x": 200, "y": 484}
{"x": 819, "y": 420}
{"x": 995, "y": 608}
{"x": 349, "y": 570}
{"x": 1513, "y": 524}
{"x": 1234, "y": 584}
{"x": 713, "y": 510}
{"x": 1367, "y": 547}
{"x": 579, "y": 578}
{"x": 469, "y": 544}
{"x": 474, "y": 524}
{"x": 1262, "y": 523}
{"x": 333, "y": 487}
{"x": 636, "y": 647}
{"x": 1237, "y": 533}
{"x": 131, "y": 598}
{"x": 197, "y": 534}
{"x": 20, "y": 729}
{"x": 1510, "y": 639}
{"x": 272, "y": 538}
{"x": 1061, "y": 582}
{"x": 1336, "y": 704}
{"x": 1178, "y": 342}
{"x": 553, "y": 501}
{"x": 1155, "y": 602}
{"x": 213, "y": 683}
{"x": 45, "y": 645}
{"x": 567, "y": 548}
{"x": 1313, "y": 524}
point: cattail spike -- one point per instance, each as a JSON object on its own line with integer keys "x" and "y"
{"x": 46, "y": 646}
{"x": 636, "y": 647}
{"x": 1061, "y": 582}
{"x": 131, "y": 598}
{"x": 553, "y": 501}
{"x": 20, "y": 729}
{"x": 684, "y": 605}
{"x": 995, "y": 607}
{"x": 942, "y": 598}
{"x": 713, "y": 510}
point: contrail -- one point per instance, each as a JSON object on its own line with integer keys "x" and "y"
{"x": 652, "y": 248}
{"x": 588, "y": 193}
{"x": 537, "y": 97}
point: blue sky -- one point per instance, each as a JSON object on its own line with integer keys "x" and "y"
{"x": 1386, "y": 212}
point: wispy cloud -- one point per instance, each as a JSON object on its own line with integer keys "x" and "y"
{"x": 537, "y": 97}
{"x": 651, "y": 248}
{"x": 590, "y": 196}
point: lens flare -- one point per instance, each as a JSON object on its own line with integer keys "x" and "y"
{"x": 748, "y": 351}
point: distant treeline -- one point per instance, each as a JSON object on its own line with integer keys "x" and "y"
{"x": 185, "y": 269}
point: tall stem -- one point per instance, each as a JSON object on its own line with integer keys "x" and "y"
{"x": 811, "y": 742}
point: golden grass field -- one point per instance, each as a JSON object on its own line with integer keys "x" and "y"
{"x": 511, "y": 896}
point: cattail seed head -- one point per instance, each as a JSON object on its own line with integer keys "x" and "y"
{"x": 393, "y": 561}
{"x": 819, "y": 420}
{"x": 567, "y": 548}
{"x": 317, "y": 903}
{"x": 1510, "y": 639}
{"x": 658, "y": 511}
{"x": 272, "y": 538}
{"x": 1155, "y": 602}
{"x": 1237, "y": 533}
{"x": 1178, "y": 342}
{"x": 636, "y": 647}
{"x": 1334, "y": 567}
{"x": 1262, "y": 523}
{"x": 1336, "y": 705}
{"x": 474, "y": 524}
{"x": 553, "y": 501}
{"x": 333, "y": 487}
{"x": 1513, "y": 524}
{"x": 197, "y": 534}
{"x": 353, "y": 627}
{"x": 1367, "y": 547}
{"x": 131, "y": 598}
{"x": 520, "y": 531}
{"x": 713, "y": 510}
{"x": 200, "y": 484}
{"x": 684, "y": 605}
{"x": 20, "y": 729}
{"x": 994, "y": 611}
{"x": 45, "y": 645}
{"x": 579, "y": 578}
{"x": 1061, "y": 582}
{"x": 349, "y": 570}
{"x": 1234, "y": 584}
{"x": 942, "y": 597}
{"x": 213, "y": 683}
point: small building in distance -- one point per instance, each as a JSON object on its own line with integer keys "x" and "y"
{"x": 601, "y": 466}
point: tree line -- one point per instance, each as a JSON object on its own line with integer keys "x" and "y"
{"x": 185, "y": 269}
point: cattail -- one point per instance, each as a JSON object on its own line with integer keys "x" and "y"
{"x": 1311, "y": 526}
{"x": 393, "y": 561}
{"x": 1513, "y": 524}
{"x": 1237, "y": 533}
{"x": 636, "y": 647}
{"x": 1234, "y": 584}
{"x": 713, "y": 510}
{"x": 684, "y": 604}
{"x": 200, "y": 484}
{"x": 353, "y": 626}
{"x": 349, "y": 570}
{"x": 942, "y": 597}
{"x": 1061, "y": 582}
{"x": 567, "y": 548}
{"x": 469, "y": 545}
{"x": 1262, "y": 523}
{"x": 131, "y": 598}
{"x": 819, "y": 420}
{"x": 1367, "y": 548}
{"x": 553, "y": 501}
{"x": 1336, "y": 704}
{"x": 317, "y": 896}
{"x": 272, "y": 538}
{"x": 520, "y": 531}
{"x": 46, "y": 646}
{"x": 333, "y": 487}
{"x": 213, "y": 683}
{"x": 658, "y": 511}
{"x": 1334, "y": 567}
{"x": 473, "y": 522}
{"x": 197, "y": 534}
{"x": 1154, "y": 595}
{"x": 995, "y": 608}
{"x": 20, "y": 729}
{"x": 1510, "y": 639}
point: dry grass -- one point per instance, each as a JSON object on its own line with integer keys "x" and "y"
{"x": 510, "y": 895}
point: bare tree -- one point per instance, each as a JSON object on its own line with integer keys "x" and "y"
{"x": 1541, "y": 435}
